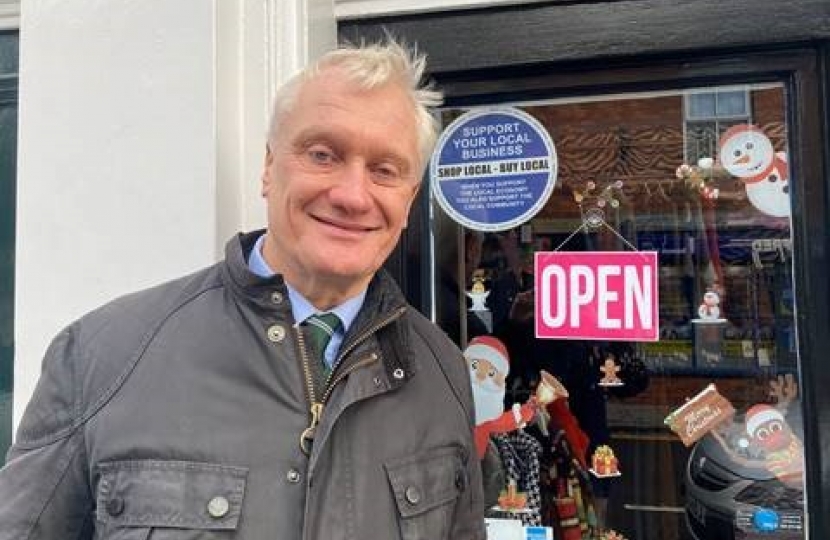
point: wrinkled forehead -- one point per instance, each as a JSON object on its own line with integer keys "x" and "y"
{"x": 332, "y": 87}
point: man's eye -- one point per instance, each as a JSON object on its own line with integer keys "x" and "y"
{"x": 386, "y": 172}
{"x": 321, "y": 156}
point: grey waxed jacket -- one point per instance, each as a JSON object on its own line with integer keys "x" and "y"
{"x": 176, "y": 413}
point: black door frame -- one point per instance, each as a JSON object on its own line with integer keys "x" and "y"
{"x": 479, "y": 57}
{"x": 8, "y": 190}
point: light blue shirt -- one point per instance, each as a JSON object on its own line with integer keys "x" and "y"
{"x": 303, "y": 309}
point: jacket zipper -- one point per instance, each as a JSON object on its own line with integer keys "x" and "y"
{"x": 350, "y": 347}
{"x": 316, "y": 407}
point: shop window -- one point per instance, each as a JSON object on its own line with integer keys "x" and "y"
{"x": 708, "y": 114}
{"x": 721, "y": 232}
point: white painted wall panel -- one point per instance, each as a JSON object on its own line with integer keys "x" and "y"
{"x": 116, "y": 179}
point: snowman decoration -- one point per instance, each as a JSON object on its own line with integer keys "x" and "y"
{"x": 710, "y": 308}
{"x": 747, "y": 153}
{"x": 771, "y": 195}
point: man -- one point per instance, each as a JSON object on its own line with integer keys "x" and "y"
{"x": 201, "y": 408}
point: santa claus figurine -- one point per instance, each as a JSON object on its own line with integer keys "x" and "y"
{"x": 489, "y": 366}
{"x": 783, "y": 450}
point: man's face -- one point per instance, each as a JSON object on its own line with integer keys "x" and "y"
{"x": 339, "y": 180}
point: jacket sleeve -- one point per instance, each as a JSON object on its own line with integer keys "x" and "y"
{"x": 44, "y": 485}
{"x": 468, "y": 522}
{"x": 469, "y": 514}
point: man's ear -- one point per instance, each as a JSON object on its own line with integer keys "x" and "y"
{"x": 266, "y": 171}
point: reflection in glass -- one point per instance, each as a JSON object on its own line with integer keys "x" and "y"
{"x": 701, "y": 177}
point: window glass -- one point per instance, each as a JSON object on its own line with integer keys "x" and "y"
{"x": 711, "y": 105}
{"x": 702, "y": 105}
{"x": 706, "y": 426}
{"x": 731, "y": 103}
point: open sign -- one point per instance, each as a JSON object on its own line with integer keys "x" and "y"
{"x": 608, "y": 296}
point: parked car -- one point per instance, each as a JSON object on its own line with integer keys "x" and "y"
{"x": 732, "y": 495}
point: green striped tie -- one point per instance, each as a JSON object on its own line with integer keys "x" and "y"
{"x": 320, "y": 329}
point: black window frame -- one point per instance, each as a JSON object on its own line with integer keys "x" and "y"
{"x": 9, "y": 46}
{"x": 480, "y": 57}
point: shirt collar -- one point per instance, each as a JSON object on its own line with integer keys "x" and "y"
{"x": 301, "y": 308}
{"x": 256, "y": 262}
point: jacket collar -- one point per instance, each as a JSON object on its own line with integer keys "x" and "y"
{"x": 269, "y": 294}
{"x": 383, "y": 296}
{"x": 384, "y": 301}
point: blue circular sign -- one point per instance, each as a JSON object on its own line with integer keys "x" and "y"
{"x": 766, "y": 520}
{"x": 493, "y": 169}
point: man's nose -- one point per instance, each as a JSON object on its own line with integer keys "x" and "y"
{"x": 352, "y": 190}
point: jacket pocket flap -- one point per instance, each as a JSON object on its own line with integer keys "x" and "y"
{"x": 160, "y": 493}
{"x": 426, "y": 480}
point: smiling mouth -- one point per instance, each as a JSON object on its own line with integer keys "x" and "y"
{"x": 352, "y": 228}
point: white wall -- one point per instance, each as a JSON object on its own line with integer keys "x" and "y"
{"x": 9, "y": 14}
{"x": 141, "y": 130}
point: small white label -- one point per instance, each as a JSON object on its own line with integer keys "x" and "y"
{"x": 504, "y": 529}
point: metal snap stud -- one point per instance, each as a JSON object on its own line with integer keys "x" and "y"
{"x": 398, "y": 373}
{"x": 276, "y": 333}
{"x": 293, "y": 476}
{"x": 413, "y": 495}
{"x": 277, "y": 297}
{"x": 218, "y": 507}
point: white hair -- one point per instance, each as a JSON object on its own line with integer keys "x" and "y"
{"x": 372, "y": 66}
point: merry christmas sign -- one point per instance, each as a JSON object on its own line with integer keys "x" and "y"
{"x": 700, "y": 415}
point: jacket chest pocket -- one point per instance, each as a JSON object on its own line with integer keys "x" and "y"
{"x": 168, "y": 500}
{"x": 426, "y": 487}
